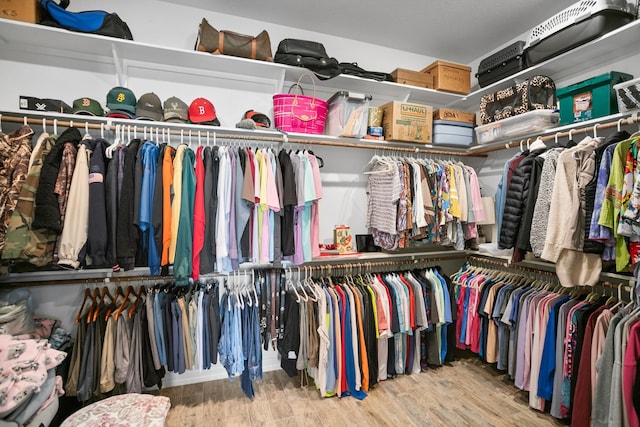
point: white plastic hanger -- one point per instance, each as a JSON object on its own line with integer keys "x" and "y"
{"x": 538, "y": 144}
{"x": 595, "y": 130}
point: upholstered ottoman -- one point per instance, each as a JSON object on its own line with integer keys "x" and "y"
{"x": 122, "y": 410}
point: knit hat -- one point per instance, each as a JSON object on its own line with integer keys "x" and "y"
{"x": 149, "y": 107}
{"x": 176, "y": 110}
{"x": 202, "y": 111}
{"x": 262, "y": 120}
{"x": 121, "y": 103}
{"x": 87, "y": 106}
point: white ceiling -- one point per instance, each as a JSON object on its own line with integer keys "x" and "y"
{"x": 458, "y": 30}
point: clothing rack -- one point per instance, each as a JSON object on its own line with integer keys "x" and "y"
{"x": 200, "y": 131}
{"x": 548, "y": 275}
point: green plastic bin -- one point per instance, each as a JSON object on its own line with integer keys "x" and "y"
{"x": 591, "y": 98}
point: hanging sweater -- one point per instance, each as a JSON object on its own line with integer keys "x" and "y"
{"x": 76, "y": 222}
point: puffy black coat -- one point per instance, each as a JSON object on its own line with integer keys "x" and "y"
{"x": 524, "y": 233}
{"x": 516, "y": 199}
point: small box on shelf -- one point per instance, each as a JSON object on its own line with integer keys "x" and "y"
{"x": 407, "y": 122}
{"x": 454, "y": 115}
{"x": 450, "y": 77}
{"x": 412, "y": 78}
{"x": 21, "y": 10}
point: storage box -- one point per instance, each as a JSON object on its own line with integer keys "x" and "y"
{"x": 628, "y": 95}
{"x": 450, "y": 77}
{"x": 446, "y": 132}
{"x": 403, "y": 121}
{"x": 413, "y": 78}
{"x": 347, "y": 114}
{"x": 520, "y": 125}
{"x": 21, "y": 10}
{"x": 454, "y": 115}
{"x": 591, "y": 98}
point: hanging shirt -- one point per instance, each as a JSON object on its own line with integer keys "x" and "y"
{"x": 199, "y": 214}
{"x": 149, "y": 162}
{"x": 182, "y": 268}
{"x": 176, "y": 199}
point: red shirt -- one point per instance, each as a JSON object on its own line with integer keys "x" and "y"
{"x": 199, "y": 219}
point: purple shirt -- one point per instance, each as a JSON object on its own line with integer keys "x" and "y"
{"x": 599, "y": 232}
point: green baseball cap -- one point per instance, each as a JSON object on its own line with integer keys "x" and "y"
{"x": 87, "y": 106}
{"x": 121, "y": 99}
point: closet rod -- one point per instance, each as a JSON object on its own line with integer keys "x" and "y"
{"x": 82, "y": 124}
{"x": 586, "y": 129}
{"x": 520, "y": 268}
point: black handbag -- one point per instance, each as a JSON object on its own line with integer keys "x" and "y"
{"x": 308, "y": 54}
{"x": 302, "y": 47}
{"x": 535, "y": 93}
{"x": 93, "y": 21}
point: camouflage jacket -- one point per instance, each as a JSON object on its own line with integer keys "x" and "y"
{"x": 15, "y": 152}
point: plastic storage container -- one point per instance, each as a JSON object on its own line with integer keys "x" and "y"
{"x": 447, "y": 132}
{"x": 591, "y": 98}
{"x": 347, "y": 114}
{"x": 576, "y": 25}
{"x": 628, "y": 95}
{"x": 521, "y": 125}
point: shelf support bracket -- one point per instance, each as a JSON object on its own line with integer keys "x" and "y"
{"x": 121, "y": 75}
{"x": 279, "y": 86}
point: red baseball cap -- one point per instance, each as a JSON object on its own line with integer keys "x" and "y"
{"x": 202, "y": 111}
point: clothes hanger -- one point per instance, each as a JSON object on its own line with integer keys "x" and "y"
{"x": 119, "y": 293}
{"x": 87, "y": 296}
{"x": 105, "y": 292}
{"x": 94, "y": 304}
{"x": 128, "y": 292}
{"x": 141, "y": 291}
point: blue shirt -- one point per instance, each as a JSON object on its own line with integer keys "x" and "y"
{"x": 149, "y": 163}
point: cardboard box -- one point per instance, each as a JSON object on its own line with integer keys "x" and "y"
{"x": 450, "y": 77}
{"x": 21, "y": 10}
{"x": 412, "y": 78}
{"x": 454, "y": 115}
{"x": 408, "y": 122}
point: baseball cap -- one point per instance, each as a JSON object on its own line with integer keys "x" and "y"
{"x": 87, "y": 106}
{"x": 261, "y": 120}
{"x": 202, "y": 111}
{"x": 175, "y": 110}
{"x": 121, "y": 103}
{"x": 149, "y": 107}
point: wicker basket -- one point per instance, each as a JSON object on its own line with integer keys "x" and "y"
{"x": 298, "y": 112}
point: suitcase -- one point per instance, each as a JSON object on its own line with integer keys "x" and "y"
{"x": 576, "y": 25}
{"x": 502, "y": 64}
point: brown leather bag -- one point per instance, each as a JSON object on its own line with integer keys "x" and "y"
{"x": 231, "y": 43}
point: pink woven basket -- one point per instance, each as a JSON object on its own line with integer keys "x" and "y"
{"x": 298, "y": 112}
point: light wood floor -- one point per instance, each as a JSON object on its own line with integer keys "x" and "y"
{"x": 466, "y": 393}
